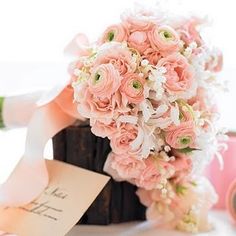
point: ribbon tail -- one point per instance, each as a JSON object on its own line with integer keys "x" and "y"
{"x": 30, "y": 176}
{"x": 18, "y": 110}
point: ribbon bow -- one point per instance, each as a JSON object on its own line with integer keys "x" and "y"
{"x": 44, "y": 118}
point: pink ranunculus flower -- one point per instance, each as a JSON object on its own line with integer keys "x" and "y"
{"x": 164, "y": 39}
{"x": 153, "y": 56}
{"x": 127, "y": 167}
{"x": 139, "y": 21}
{"x": 186, "y": 112}
{"x": 118, "y": 55}
{"x": 116, "y": 33}
{"x": 101, "y": 129}
{"x": 155, "y": 170}
{"x": 179, "y": 74}
{"x": 121, "y": 140}
{"x": 104, "y": 81}
{"x": 132, "y": 88}
{"x": 181, "y": 136}
{"x": 102, "y": 109}
{"x": 139, "y": 41}
{"x": 189, "y": 31}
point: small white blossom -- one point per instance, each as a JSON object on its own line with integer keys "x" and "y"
{"x": 167, "y": 148}
{"x": 77, "y": 72}
{"x": 144, "y": 63}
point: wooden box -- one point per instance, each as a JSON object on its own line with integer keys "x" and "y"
{"x": 117, "y": 202}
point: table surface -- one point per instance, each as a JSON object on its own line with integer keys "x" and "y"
{"x": 222, "y": 223}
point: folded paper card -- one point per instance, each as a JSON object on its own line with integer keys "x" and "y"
{"x": 70, "y": 192}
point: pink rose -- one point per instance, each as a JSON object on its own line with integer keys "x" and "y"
{"x": 132, "y": 88}
{"x": 119, "y": 56}
{"x": 102, "y": 109}
{"x": 121, "y": 140}
{"x": 181, "y": 136}
{"x": 132, "y": 139}
{"x": 164, "y": 39}
{"x": 155, "y": 170}
{"x": 101, "y": 129}
{"x": 116, "y": 33}
{"x": 179, "y": 74}
{"x": 139, "y": 41}
{"x": 127, "y": 167}
{"x": 104, "y": 81}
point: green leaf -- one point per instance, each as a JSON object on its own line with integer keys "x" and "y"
{"x": 1, "y": 110}
{"x": 187, "y": 150}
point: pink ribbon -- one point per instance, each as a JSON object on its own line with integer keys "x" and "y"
{"x": 44, "y": 117}
{"x": 55, "y": 111}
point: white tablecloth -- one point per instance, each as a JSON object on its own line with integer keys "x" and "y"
{"x": 222, "y": 222}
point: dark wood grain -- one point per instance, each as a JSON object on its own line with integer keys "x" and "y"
{"x": 59, "y": 146}
{"x": 117, "y": 202}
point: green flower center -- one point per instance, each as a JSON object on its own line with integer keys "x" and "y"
{"x": 185, "y": 140}
{"x": 137, "y": 84}
{"x": 110, "y": 36}
{"x": 97, "y": 77}
{"x": 166, "y": 35}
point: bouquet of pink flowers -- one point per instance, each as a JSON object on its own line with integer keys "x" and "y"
{"x": 148, "y": 85}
